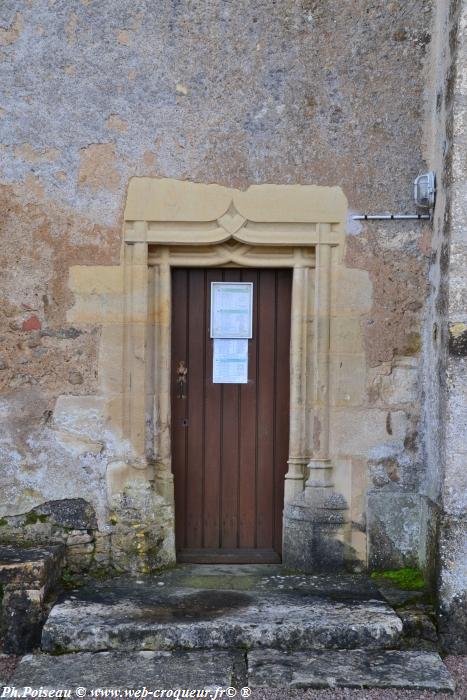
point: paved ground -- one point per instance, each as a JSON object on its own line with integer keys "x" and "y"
{"x": 457, "y": 665}
{"x": 265, "y": 601}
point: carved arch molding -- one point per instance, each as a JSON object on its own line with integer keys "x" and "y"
{"x": 169, "y": 223}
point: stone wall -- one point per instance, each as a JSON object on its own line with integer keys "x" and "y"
{"x": 327, "y": 93}
{"x": 453, "y": 271}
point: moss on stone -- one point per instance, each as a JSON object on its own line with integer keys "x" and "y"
{"x": 406, "y": 579}
{"x": 70, "y": 580}
{"x": 33, "y": 518}
{"x": 3, "y": 522}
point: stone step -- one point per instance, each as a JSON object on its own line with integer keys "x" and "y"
{"x": 150, "y": 669}
{"x": 27, "y": 576}
{"x": 357, "y": 668}
{"x": 148, "y": 616}
{"x": 221, "y": 669}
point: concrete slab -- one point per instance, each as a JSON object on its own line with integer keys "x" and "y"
{"x": 150, "y": 669}
{"x": 352, "y": 669}
{"x": 223, "y": 608}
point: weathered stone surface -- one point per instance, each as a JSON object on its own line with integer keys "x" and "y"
{"x": 153, "y": 669}
{"x": 419, "y": 629}
{"x": 298, "y": 118}
{"x": 393, "y": 529}
{"x": 28, "y": 576}
{"x": 452, "y": 585}
{"x": 30, "y": 568}
{"x": 178, "y": 612}
{"x": 311, "y": 538}
{"x": 352, "y": 669}
{"x": 50, "y": 520}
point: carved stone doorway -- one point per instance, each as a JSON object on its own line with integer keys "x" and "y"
{"x": 170, "y": 224}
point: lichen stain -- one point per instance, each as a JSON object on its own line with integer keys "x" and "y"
{"x": 10, "y": 34}
{"x": 456, "y": 330}
{"x": 35, "y": 155}
{"x": 116, "y": 123}
{"x": 70, "y": 28}
{"x": 98, "y": 169}
{"x": 123, "y": 37}
{"x": 458, "y": 339}
{"x": 149, "y": 159}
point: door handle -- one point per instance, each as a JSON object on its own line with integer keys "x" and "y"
{"x": 182, "y": 373}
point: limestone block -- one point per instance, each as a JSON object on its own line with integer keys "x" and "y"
{"x": 458, "y": 294}
{"x": 78, "y": 446}
{"x": 347, "y": 384}
{"x": 81, "y": 416}
{"x": 98, "y": 292}
{"x": 341, "y": 476}
{"x": 358, "y": 542}
{"x": 27, "y": 575}
{"x": 110, "y": 360}
{"x": 453, "y": 584}
{"x": 351, "y": 293}
{"x": 393, "y": 528}
{"x": 359, "y": 485}
{"x": 102, "y": 549}
{"x": 204, "y": 670}
{"x": 30, "y": 568}
{"x": 78, "y": 537}
{"x": 359, "y": 668}
{"x": 455, "y": 483}
{"x": 346, "y": 335}
{"x": 79, "y": 557}
{"x": 72, "y": 513}
{"x": 355, "y": 431}
{"x": 23, "y": 616}
{"x": 151, "y": 199}
{"x": 400, "y": 386}
{"x": 119, "y": 474}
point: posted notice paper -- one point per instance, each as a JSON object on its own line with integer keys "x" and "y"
{"x": 230, "y": 361}
{"x": 231, "y": 309}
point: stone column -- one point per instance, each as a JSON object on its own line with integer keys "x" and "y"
{"x": 313, "y": 519}
{"x": 162, "y": 380}
{"x": 134, "y": 352}
{"x": 319, "y": 480}
{"x": 298, "y": 456}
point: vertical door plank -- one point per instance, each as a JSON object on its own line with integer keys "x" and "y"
{"x": 282, "y": 387}
{"x": 195, "y": 449}
{"x": 179, "y": 406}
{"x": 266, "y": 438}
{"x": 212, "y": 435}
{"x": 230, "y": 452}
{"x": 248, "y": 416}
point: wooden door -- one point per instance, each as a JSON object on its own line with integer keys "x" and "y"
{"x": 230, "y": 441}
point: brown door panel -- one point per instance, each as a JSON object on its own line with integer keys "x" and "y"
{"x": 230, "y": 441}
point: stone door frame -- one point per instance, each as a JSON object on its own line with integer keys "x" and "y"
{"x": 179, "y": 224}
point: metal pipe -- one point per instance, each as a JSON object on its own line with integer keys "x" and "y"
{"x": 390, "y": 217}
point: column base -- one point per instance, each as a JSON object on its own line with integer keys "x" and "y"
{"x": 314, "y": 539}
